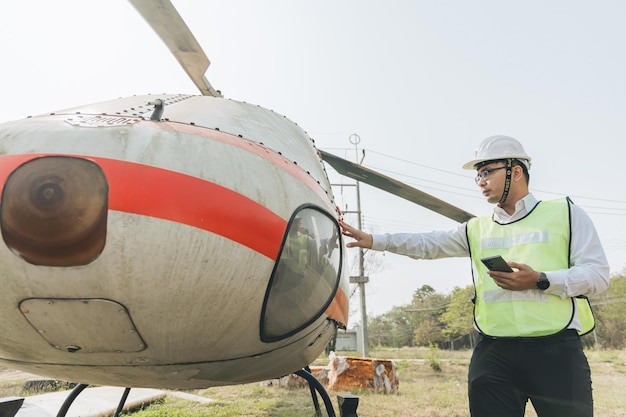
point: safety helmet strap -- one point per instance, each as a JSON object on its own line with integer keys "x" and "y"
{"x": 507, "y": 181}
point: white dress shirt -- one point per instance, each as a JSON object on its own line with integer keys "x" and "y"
{"x": 588, "y": 274}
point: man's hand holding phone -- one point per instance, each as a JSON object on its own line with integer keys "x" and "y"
{"x": 511, "y": 275}
{"x": 496, "y": 263}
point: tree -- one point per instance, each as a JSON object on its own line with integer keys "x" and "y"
{"x": 393, "y": 328}
{"x": 610, "y": 313}
{"x": 428, "y": 333}
{"x": 425, "y": 311}
{"x": 458, "y": 317}
{"x": 423, "y": 293}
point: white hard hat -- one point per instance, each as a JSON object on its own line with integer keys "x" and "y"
{"x": 499, "y": 147}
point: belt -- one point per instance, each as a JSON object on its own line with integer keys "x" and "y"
{"x": 565, "y": 334}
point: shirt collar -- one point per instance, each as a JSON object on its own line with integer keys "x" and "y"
{"x": 522, "y": 208}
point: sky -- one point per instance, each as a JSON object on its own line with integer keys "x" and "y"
{"x": 420, "y": 82}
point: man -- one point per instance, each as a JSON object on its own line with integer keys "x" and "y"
{"x": 529, "y": 320}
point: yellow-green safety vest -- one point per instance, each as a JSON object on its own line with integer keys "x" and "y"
{"x": 541, "y": 240}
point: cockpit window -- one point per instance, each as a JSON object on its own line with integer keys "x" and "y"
{"x": 305, "y": 277}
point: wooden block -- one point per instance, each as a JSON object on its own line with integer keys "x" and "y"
{"x": 348, "y": 373}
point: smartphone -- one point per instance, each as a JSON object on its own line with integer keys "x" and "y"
{"x": 496, "y": 263}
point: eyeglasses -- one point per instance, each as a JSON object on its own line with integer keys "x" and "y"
{"x": 483, "y": 175}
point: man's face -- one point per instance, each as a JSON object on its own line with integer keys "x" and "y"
{"x": 490, "y": 179}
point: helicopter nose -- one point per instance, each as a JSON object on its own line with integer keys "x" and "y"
{"x": 54, "y": 211}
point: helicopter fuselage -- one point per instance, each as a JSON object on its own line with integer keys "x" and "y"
{"x": 193, "y": 249}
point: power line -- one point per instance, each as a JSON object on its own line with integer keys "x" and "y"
{"x": 589, "y": 204}
{"x": 620, "y": 210}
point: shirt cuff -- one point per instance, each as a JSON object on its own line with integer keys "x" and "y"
{"x": 380, "y": 242}
{"x": 557, "y": 284}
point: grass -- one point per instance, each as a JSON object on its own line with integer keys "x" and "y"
{"x": 11, "y": 388}
{"x": 423, "y": 391}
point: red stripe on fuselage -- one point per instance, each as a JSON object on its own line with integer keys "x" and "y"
{"x": 160, "y": 193}
{"x": 338, "y": 308}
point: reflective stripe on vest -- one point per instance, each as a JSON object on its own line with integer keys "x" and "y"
{"x": 540, "y": 240}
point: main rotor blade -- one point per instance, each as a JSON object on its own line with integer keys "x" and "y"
{"x": 378, "y": 180}
{"x": 174, "y": 32}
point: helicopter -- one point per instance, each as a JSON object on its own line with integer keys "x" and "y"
{"x": 172, "y": 240}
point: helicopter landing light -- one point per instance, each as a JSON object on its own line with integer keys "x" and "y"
{"x": 54, "y": 211}
{"x": 83, "y": 325}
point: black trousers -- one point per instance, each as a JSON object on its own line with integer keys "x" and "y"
{"x": 551, "y": 371}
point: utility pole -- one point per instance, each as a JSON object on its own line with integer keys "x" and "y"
{"x": 361, "y": 279}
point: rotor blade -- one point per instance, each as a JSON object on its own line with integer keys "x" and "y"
{"x": 378, "y": 180}
{"x": 174, "y": 32}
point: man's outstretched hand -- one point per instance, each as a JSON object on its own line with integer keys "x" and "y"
{"x": 361, "y": 239}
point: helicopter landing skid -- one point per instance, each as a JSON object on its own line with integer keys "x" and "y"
{"x": 347, "y": 403}
{"x": 77, "y": 390}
